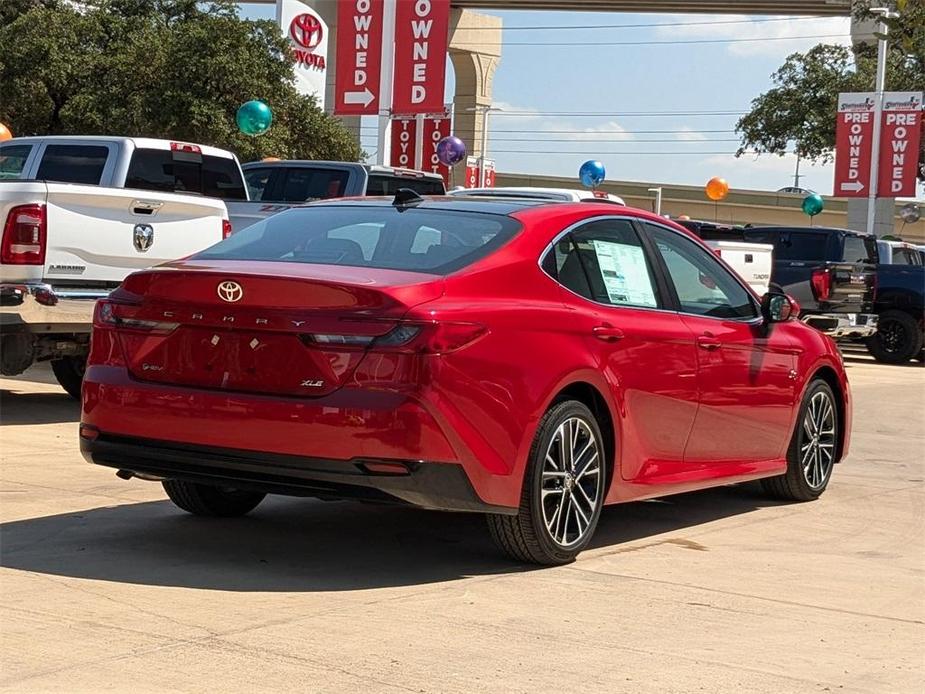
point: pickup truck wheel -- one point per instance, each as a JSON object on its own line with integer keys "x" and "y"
{"x": 206, "y": 500}
{"x": 898, "y": 338}
{"x": 69, "y": 371}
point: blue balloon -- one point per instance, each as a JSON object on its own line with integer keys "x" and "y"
{"x": 591, "y": 173}
{"x": 254, "y": 118}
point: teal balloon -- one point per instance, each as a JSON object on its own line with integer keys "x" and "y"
{"x": 813, "y": 204}
{"x": 254, "y": 118}
{"x": 591, "y": 173}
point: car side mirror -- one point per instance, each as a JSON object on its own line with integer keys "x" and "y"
{"x": 777, "y": 307}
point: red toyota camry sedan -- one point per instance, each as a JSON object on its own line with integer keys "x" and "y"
{"x": 529, "y": 361}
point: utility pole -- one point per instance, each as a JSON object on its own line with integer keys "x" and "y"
{"x": 796, "y": 173}
{"x": 483, "y": 149}
{"x": 882, "y": 32}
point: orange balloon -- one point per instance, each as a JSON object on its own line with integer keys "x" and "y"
{"x": 271, "y": 159}
{"x": 5, "y": 133}
{"x": 717, "y": 188}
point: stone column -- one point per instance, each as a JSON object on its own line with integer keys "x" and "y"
{"x": 475, "y": 49}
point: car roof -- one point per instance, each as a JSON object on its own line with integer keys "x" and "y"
{"x": 814, "y": 230}
{"x": 458, "y": 203}
{"x": 568, "y": 194}
{"x": 138, "y": 142}
{"x": 331, "y": 164}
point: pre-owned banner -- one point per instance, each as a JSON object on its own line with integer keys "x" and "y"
{"x": 421, "y": 39}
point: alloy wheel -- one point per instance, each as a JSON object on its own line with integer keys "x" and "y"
{"x": 572, "y": 482}
{"x": 892, "y": 336}
{"x": 817, "y": 444}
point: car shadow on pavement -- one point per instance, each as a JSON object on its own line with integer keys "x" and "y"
{"x": 306, "y": 545}
{"x": 37, "y": 408}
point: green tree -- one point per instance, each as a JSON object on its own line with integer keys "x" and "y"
{"x": 174, "y": 69}
{"x": 798, "y": 113}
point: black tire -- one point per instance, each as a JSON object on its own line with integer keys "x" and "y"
{"x": 898, "y": 338}
{"x": 206, "y": 500}
{"x": 799, "y": 483}
{"x": 526, "y": 537}
{"x": 69, "y": 372}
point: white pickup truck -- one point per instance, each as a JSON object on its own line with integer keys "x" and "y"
{"x": 77, "y": 215}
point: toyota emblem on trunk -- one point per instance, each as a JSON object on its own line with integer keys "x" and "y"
{"x": 143, "y": 237}
{"x": 230, "y": 291}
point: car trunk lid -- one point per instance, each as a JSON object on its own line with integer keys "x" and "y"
{"x": 261, "y": 327}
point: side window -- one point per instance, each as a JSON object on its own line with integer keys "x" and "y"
{"x": 13, "y": 160}
{"x": 704, "y": 287}
{"x": 604, "y": 261}
{"x": 256, "y": 181}
{"x": 73, "y": 163}
{"x": 900, "y": 257}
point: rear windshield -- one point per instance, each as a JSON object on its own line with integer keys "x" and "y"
{"x": 13, "y": 159}
{"x": 381, "y": 184}
{"x": 185, "y": 172}
{"x": 859, "y": 249}
{"x": 792, "y": 245}
{"x": 417, "y": 240}
{"x": 304, "y": 184}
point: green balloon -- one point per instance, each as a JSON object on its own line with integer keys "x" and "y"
{"x": 254, "y": 118}
{"x": 813, "y": 204}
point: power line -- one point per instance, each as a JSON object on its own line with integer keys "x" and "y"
{"x": 680, "y": 42}
{"x": 605, "y": 139}
{"x": 587, "y": 132}
{"x": 613, "y": 114}
{"x": 648, "y": 25}
{"x": 599, "y": 153}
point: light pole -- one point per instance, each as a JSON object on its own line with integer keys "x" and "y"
{"x": 484, "y": 110}
{"x": 882, "y": 33}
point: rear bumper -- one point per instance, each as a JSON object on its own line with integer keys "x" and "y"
{"x": 843, "y": 325}
{"x": 294, "y": 443}
{"x": 43, "y": 309}
{"x": 439, "y": 486}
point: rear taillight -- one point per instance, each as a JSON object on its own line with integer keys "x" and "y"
{"x": 24, "y": 236}
{"x": 226, "y": 228}
{"x": 417, "y": 337}
{"x": 822, "y": 284}
{"x": 111, "y": 314}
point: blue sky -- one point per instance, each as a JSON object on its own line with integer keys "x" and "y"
{"x": 533, "y": 82}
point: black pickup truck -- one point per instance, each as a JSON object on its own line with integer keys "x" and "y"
{"x": 832, "y": 273}
{"x": 900, "y": 304}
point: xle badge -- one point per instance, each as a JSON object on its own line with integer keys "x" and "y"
{"x": 312, "y": 384}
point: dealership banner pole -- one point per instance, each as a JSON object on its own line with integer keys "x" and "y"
{"x": 419, "y": 142}
{"x": 384, "y": 139}
{"x": 878, "y": 120}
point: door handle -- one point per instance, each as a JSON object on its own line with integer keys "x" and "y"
{"x": 708, "y": 342}
{"x": 607, "y": 333}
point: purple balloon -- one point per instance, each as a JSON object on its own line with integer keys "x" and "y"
{"x": 451, "y": 150}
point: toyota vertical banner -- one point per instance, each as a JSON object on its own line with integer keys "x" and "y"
{"x": 359, "y": 57}
{"x": 899, "y": 144}
{"x": 308, "y": 38}
{"x": 422, "y": 30}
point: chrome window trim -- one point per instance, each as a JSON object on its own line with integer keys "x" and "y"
{"x": 568, "y": 230}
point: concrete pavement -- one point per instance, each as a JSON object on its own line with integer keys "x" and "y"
{"x": 106, "y": 587}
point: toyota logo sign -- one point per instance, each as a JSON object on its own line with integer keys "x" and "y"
{"x": 230, "y": 291}
{"x": 306, "y": 30}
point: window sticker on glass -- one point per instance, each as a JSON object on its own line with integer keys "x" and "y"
{"x": 623, "y": 269}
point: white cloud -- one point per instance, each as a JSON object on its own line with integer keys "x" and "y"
{"x": 791, "y": 29}
{"x": 687, "y": 134}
